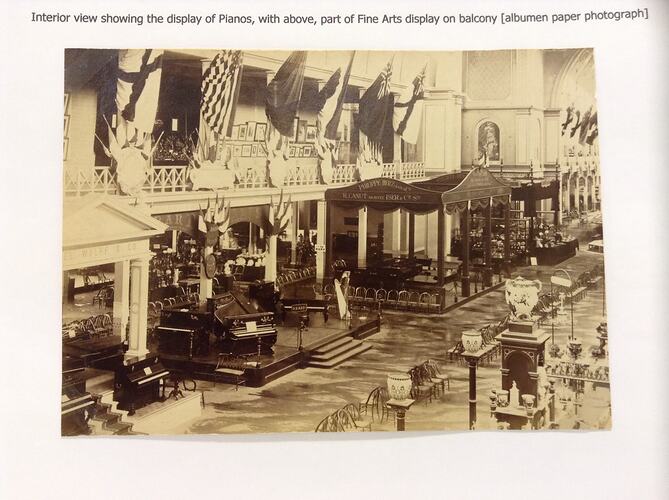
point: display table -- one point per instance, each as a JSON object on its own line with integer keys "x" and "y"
{"x": 551, "y": 256}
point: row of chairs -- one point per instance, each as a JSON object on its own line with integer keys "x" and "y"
{"x": 157, "y": 306}
{"x": 427, "y": 381}
{"x": 345, "y": 419}
{"x": 396, "y": 299}
{"x": 98, "y": 326}
{"x": 293, "y": 276}
{"x": 488, "y": 334}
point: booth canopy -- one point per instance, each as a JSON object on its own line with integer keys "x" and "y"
{"x": 479, "y": 187}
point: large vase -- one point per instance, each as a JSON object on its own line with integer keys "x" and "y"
{"x": 522, "y": 296}
{"x": 472, "y": 340}
{"x": 399, "y": 386}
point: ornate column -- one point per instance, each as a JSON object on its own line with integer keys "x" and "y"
{"x": 412, "y": 235}
{"x": 507, "y": 237}
{"x": 464, "y": 225}
{"x": 396, "y": 242}
{"x": 440, "y": 246}
{"x": 321, "y": 239}
{"x": 362, "y": 237}
{"x": 121, "y": 297}
{"x": 487, "y": 251}
{"x": 206, "y": 284}
{"x": 294, "y": 231}
{"x": 270, "y": 260}
{"x": 139, "y": 299}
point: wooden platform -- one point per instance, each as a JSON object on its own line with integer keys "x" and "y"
{"x": 286, "y": 357}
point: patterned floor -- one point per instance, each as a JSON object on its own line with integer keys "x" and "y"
{"x": 298, "y": 401}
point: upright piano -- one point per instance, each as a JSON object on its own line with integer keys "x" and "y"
{"x": 243, "y": 326}
{"x": 137, "y": 382}
{"x": 239, "y": 323}
{"x": 77, "y": 406}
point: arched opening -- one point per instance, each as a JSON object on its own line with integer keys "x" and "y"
{"x": 519, "y": 366}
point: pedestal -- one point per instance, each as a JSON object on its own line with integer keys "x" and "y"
{"x": 523, "y": 350}
{"x": 400, "y": 407}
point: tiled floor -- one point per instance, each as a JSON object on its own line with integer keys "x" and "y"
{"x": 298, "y": 401}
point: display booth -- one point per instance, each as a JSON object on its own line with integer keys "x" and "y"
{"x": 102, "y": 230}
{"x": 479, "y": 189}
{"x": 384, "y": 195}
{"x": 446, "y": 194}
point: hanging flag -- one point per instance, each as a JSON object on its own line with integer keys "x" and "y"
{"x": 331, "y": 101}
{"x": 220, "y": 84}
{"x": 584, "y": 126}
{"x": 569, "y": 118}
{"x": 373, "y": 114}
{"x": 408, "y": 110}
{"x": 282, "y": 100}
{"x": 137, "y": 89}
{"x": 593, "y": 129}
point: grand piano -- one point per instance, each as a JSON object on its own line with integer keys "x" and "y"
{"x": 138, "y": 381}
{"x": 240, "y": 325}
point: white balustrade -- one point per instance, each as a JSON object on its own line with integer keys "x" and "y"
{"x": 171, "y": 179}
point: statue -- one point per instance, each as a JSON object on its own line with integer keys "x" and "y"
{"x": 514, "y": 394}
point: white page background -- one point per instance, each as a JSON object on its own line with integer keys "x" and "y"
{"x": 628, "y": 462}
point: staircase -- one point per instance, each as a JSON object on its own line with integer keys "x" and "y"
{"x": 336, "y": 352}
{"x": 108, "y": 420}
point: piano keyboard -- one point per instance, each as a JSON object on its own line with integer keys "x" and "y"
{"x": 80, "y": 402}
{"x": 160, "y": 374}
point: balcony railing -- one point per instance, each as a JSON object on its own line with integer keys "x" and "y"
{"x": 172, "y": 179}
{"x": 345, "y": 174}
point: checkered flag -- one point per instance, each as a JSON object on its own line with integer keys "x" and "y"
{"x": 219, "y": 88}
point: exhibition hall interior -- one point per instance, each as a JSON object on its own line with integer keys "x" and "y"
{"x": 331, "y": 241}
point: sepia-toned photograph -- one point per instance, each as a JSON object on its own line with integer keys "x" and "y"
{"x": 331, "y": 241}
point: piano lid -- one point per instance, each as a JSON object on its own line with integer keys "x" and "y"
{"x": 234, "y": 304}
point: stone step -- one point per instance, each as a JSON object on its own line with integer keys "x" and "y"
{"x": 333, "y": 353}
{"x": 333, "y": 345}
{"x": 330, "y": 363}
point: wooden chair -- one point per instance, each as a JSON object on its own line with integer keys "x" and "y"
{"x": 375, "y": 404}
{"x": 436, "y": 373}
{"x": 229, "y": 366}
{"x": 392, "y": 298}
{"x": 421, "y": 388}
{"x": 403, "y": 300}
{"x": 414, "y": 301}
{"x": 434, "y": 304}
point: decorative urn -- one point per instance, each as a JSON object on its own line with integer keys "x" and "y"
{"x": 471, "y": 340}
{"x": 528, "y": 402}
{"x": 399, "y": 386}
{"x": 522, "y": 296}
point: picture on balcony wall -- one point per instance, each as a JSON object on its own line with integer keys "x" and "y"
{"x": 307, "y": 319}
{"x": 250, "y": 131}
{"x": 311, "y": 133}
{"x": 242, "y": 132}
{"x": 301, "y": 131}
{"x": 261, "y": 130}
